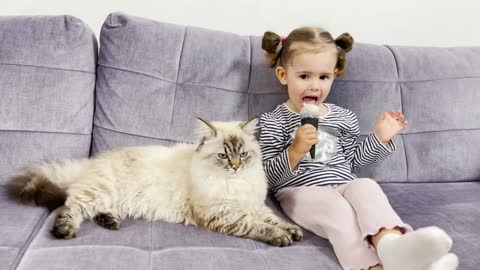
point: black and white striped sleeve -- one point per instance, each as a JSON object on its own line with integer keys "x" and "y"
{"x": 368, "y": 151}
{"x": 274, "y": 151}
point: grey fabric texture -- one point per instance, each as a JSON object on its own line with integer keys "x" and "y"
{"x": 159, "y": 245}
{"x": 454, "y": 207}
{"x": 47, "y": 80}
{"x": 142, "y": 244}
{"x": 154, "y": 90}
{"x": 18, "y": 224}
{"x": 153, "y": 79}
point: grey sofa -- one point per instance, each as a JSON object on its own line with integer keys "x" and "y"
{"x": 150, "y": 81}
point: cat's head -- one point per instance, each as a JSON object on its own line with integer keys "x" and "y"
{"x": 228, "y": 147}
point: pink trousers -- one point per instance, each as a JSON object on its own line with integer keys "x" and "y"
{"x": 346, "y": 215}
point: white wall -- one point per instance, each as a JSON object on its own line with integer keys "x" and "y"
{"x": 403, "y": 22}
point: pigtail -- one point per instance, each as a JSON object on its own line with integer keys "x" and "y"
{"x": 344, "y": 44}
{"x": 270, "y": 42}
{"x": 344, "y": 41}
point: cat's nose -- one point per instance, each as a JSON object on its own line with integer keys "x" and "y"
{"x": 235, "y": 164}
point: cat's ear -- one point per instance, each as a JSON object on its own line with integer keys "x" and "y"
{"x": 205, "y": 129}
{"x": 249, "y": 127}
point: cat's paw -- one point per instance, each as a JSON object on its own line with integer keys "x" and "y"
{"x": 295, "y": 232}
{"x": 64, "y": 230}
{"x": 108, "y": 221}
{"x": 281, "y": 238}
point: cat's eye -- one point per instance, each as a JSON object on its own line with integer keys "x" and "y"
{"x": 244, "y": 154}
{"x": 222, "y": 156}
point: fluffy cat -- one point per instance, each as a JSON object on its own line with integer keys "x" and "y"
{"x": 218, "y": 183}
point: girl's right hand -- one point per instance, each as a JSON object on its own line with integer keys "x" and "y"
{"x": 305, "y": 138}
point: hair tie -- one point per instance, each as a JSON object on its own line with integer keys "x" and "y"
{"x": 282, "y": 40}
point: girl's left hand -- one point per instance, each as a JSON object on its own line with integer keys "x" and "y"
{"x": 389, "y": 124}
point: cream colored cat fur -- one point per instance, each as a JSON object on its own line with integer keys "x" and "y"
{"x": 217, "y": 183}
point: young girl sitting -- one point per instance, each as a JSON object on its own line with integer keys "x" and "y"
{"x": 322, "y": 194}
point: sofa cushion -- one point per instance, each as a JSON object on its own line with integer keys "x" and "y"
{"x": 454, "y": 207}
{"x": 154, "y": 78}
{"x": 437, "y": 89}
{"x": 47, "y": 80}
{"x": 143, "y": 244}
{"x": 18, "y": 225}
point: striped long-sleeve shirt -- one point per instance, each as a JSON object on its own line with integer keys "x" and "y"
{"x": 337, "y": 158}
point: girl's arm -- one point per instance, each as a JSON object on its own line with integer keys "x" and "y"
{"x": 276, "y": 158}
{"x": 366, "y": 152}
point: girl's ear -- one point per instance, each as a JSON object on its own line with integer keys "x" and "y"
{"x": 335, "y": 73}
{"x": 281, "y": 75}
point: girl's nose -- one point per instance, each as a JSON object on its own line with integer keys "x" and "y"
{"x": 315, "y": 86}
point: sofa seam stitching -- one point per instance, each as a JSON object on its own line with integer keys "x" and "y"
{"x": 176, "y": 79}
{"x": 430, "y": 131}
{"x": 337, "y": 81}
{"x": 413, "y": 81}
{"x": 249, "y": 79}
{"x": 42, "y": 131}
{"x": 172, "y": 248}
{"x": 173, "y": 82}
{"x": 151, "y": 245}
{"x": 261, "y": 255}
{"x": 45, "y": 67}
{"x": 402, "y": 108}
{"x": 29, "y": 241}
{"x": 143, "y": 136}
{"x": 171, "y": 140}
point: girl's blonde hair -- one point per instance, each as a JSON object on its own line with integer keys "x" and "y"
{"x": 305, "y": 40}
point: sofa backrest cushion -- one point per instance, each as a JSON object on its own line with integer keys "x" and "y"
{"x": 154, "y": 79}
{"x": 47, "y": 82}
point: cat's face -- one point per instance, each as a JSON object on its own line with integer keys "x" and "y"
{"x": 228, "y": 147}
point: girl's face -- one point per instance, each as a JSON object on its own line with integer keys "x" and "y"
{"x": 309, "y": 77}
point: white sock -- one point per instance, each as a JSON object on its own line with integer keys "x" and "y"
{"x": 447, "y": 262}
{"x": 415, "y": 250}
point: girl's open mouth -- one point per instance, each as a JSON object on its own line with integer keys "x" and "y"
{"x": 310, "y": 100}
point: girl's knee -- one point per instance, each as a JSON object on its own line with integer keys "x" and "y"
{"x": 306, "y": 196}
{"x": 365, "y": 183}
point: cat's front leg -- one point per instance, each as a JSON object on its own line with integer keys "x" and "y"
{"x": 261, "y": 231}
{"x": 243, "y": 224}
{"x": 267, "y": 215}
{"x": 272, "y": 235}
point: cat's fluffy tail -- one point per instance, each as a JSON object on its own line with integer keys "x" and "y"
{"x": 43, "y": 185}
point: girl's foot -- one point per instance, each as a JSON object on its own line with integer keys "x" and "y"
{"x": 416, "y": 250}
{"x": 447, "y": 262}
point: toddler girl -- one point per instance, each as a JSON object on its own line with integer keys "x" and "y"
{"x": 322, "y": 194}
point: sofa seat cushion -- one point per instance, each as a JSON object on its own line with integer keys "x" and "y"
{"x": 141, "y": 244}
{"x": 454, "y": 207}
{"x": 18, "y": 225}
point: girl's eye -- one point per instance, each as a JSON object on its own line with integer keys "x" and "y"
{"x": 323, "y": 77}
{"x": 222, "y": 156}
{"x": 304, "y": 76}
{"x": 244, "y": 154}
